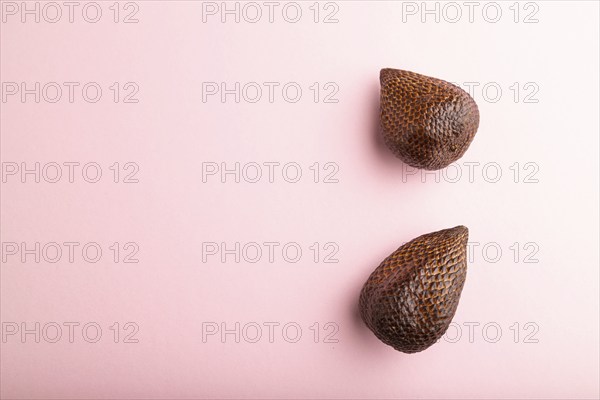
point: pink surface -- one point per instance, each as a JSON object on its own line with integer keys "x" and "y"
{"x": 527, "y": 324}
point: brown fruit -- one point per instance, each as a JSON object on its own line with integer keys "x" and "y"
{"x": 427, "y": 122}
{"x": 410, "y": 299}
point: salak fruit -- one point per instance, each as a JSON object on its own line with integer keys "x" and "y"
{"x": 427, "y": 122}
{"x": 411, "y": 297}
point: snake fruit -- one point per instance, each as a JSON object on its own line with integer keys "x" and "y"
{"x": 411, "y": 297}
{"x": 428, "y": 123}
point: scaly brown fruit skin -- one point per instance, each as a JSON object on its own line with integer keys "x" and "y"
{"x": 427, "y": 122}
{"x": 410, "y": 299}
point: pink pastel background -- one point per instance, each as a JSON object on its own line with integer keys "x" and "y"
{"x": 368, "y": 213}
